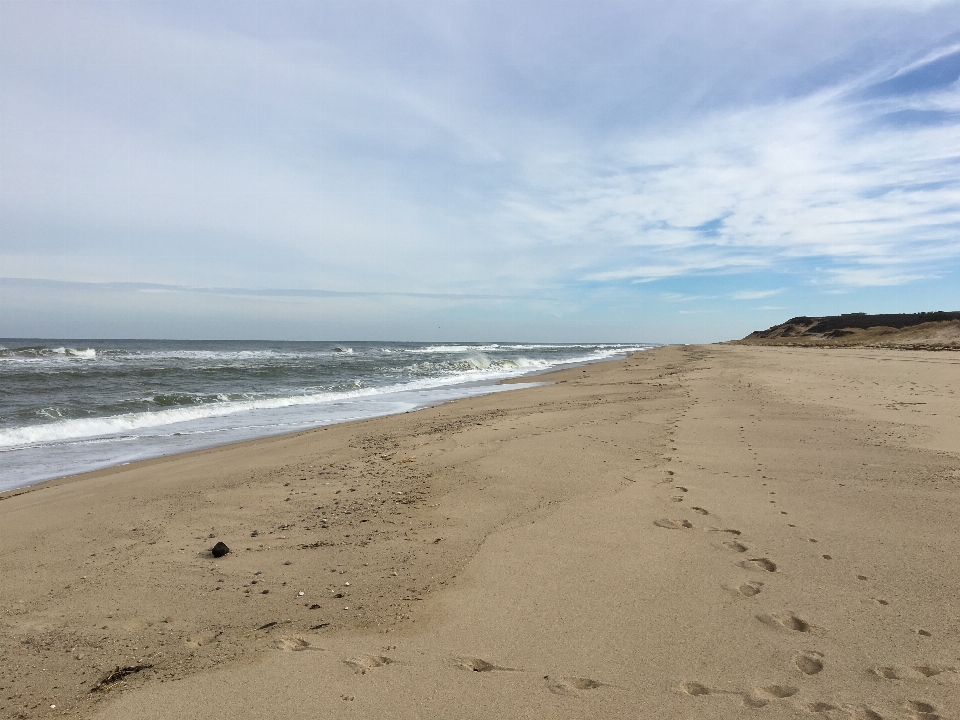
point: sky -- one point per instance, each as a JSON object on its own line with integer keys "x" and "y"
{"x": 676, "y": 171}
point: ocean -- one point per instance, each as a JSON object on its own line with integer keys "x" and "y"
{"x": 71, "y": 406}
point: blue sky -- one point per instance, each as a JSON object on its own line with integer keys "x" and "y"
{"x": 551, "y": 171}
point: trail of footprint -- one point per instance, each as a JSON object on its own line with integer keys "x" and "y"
{"x": 699, "y": 510}
{"x": 362, "y": 663}
{"x": 571, "y": 685}
{"x": 671, "y": 524}
{"x": 736, "y": 546}
{"x": 809, "y": 662}
{"x": 478, "y": 665}
{"x": 750, "y": 589}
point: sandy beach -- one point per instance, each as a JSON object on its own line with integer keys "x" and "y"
{"x": 706, "y": 532}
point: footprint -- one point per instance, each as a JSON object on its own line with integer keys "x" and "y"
{"x": 749, "y": 589}
{"x": 293, "y": 644}
{"x": 362, "y": 663}
{"x": 571, "y": 685}
{"x": 899, "y": 673}
{"x": 777, "y": 692}
{"x": 694, "y": 688}
{"x": 921, "y": 710}
{"x": 682, "y": 489}
{"x": 809, "y": 663}
{"x": 676, "y": 498}
{"x": 699, "y": 510}
{"x": 792, "y": 622}
{"x": 736, "y": 546}
{"x": 477, "y": 665}
{"x": 201, "y": 640}
{"x": 862, "y": 712}
{"x": 821, "y": 707}
{"x": 764, "y": 564}
{"x": 672, "y": 524}
{"x": 771, "y": 692}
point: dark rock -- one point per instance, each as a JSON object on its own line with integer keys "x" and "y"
{"x": 220, "y": 549}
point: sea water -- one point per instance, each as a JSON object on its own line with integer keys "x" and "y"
{"x": 70, "y": 406}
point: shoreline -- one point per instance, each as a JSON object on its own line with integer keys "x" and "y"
{"x": 699, "y": 530}
{"x": 488, "y": 385}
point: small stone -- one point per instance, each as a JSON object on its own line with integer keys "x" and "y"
{"x": 264, "y": 592}
{"x": 300, "y": 593}
{"x": 347, "y": 584}
{"x": 287, "y": 562}
{"x": 220, "y": 549}
{"x": 168, "y": 619}
{"x": 254, "y": 533}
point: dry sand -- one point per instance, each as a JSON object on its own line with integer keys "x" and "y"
{"x": 695, "y": 532}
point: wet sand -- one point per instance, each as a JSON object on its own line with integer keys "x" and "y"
{"x": 700, "y": 531}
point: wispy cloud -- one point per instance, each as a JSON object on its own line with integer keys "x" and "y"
{"x": 756, "y": 294}
{"x": 259, "y": 293}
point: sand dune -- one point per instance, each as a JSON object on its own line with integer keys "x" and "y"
{"x": 916, "y": 331}
{"x": 701, "y": 531}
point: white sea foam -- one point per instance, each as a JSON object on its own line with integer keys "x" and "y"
{"x": 480, "y": 368}
{"x": 476, "y": 366}
{"x": 438, "y": 349}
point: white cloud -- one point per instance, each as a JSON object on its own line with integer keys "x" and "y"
{"x": 755, "y": 294}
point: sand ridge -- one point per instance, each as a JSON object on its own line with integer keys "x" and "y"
{"x": 709, "y": 531}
